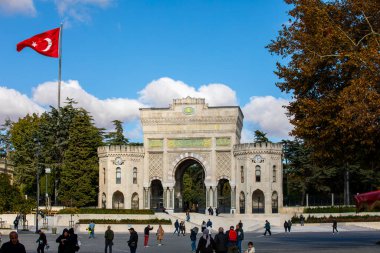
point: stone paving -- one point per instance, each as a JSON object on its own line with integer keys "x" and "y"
{"x": 311, "y": 239}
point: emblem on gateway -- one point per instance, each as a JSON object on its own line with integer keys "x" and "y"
{"x": 188, "y": 110}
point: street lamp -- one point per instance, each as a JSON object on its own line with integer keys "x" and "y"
{"x": 47, "y": 171}
{"x": 37, "y": 179}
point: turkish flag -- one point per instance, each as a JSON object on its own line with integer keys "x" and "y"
{"x": 46, "y": 43}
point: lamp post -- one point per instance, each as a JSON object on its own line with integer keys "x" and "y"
{"x": 37, "y": 142}
{"x": 47, "y": 172}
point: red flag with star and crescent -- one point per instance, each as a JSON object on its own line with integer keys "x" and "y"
{"x": 46, "y": 43}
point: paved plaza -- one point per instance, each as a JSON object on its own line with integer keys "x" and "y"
{"x": 304, "y": 239}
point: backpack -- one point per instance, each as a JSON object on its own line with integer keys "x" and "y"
{"x": 232, "y": 236}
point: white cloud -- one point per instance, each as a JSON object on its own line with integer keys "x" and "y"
{"x": 79, "y": 9}
{"x": 24, "y": 7}
{"x": 160, "y": 93}
{"x": 269, "y": 114}
{"x": 264, "y": 113}
{"x": 14, "y": 105}
{"x": 103, "y": 111}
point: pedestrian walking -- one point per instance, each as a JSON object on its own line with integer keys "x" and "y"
{"x": 335, "y": 226}
{"x": 146, "y": 235}
{"x": 13, "y": 246}
{"x": 15, "y": 223}
{"x": 42, "y": 242}
{"x": 91, "y": 229}
{"x": 182, "y": 228}
{"x": 108, "y": 236}
{"x": 193, "y": 238}
{"x": 176, "y": 226}
{"x": 240, "y": 224}
{"x": 206, "y": 244}
{"x": 302, "y": 220}
{"x": 160, "y": 235}
{"x": 267, "y": 228}
{"x": 216, "y": 211}
{"x": 62, "y": 239}
{"x": 289, "y": 225}
{"x": 133, "y": 239}
{"x": 232, "y": 240}
{"x": 250, "y": 249}
{"x": 203, "y": 226}
{"x": 210, "y": 211}
{"x": 221, "y": 241}
{"x": 286, "y": 226}
{"x": 240, "y": 237}
{"x": 187, "y": 216}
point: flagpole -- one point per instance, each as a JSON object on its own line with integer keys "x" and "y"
{"x": 60, "y": 66}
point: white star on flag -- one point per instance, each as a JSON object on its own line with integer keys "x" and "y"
{"x": 34, "y": 44}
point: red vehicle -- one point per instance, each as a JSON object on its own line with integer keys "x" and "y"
{"x": 365, "y": 200}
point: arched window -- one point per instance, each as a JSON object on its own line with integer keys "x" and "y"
{"x": 242, "y": 174}
{"x": 135, "y": 175}
{"x": 258, "y": 173}
{"x": 104, "y": 175}
{"x": 274, "y": 173}
{"x": 118, "y": 175}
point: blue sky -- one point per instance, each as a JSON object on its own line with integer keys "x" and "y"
{"x": 119, "y": 55}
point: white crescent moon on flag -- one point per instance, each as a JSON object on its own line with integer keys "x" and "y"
{"x": 49, "y": 44}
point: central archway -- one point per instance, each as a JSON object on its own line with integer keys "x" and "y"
{"x": 189, "y": 189}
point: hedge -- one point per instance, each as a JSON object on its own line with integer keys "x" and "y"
{"x": 330, "y": 209}
{"x": 103, "y": 211}
{"x": 348, "y": 218}
{"x": 126, "y": 221}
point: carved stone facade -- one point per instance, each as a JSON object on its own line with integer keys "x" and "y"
{"x": 190, "y": 132}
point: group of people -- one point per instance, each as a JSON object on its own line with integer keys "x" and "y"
{"x": 211, "y": 211}
{"x": 67, "y": 243}
{"x": 223, "y": 242}
{"x": 288, "y": 226}
{"x": 179, "y": 228}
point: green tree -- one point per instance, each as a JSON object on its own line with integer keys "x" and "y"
{"x": 10, "y": 197}
{"x": 79, "y": 175}
{"x": 116, "y": 137}
{"x": 260, "y": 137}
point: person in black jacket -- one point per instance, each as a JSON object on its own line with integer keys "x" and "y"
{"x": 42, "y": 242}
{"x": 221, "y": 241}
{"x": 193, "y": 238}
{"x": 133, "y": 239}
{"x": 13, "y": 246}
{"x": 206, "y": 244}
{"x": 71, "y": 243}
{"x": 62, "y": 239}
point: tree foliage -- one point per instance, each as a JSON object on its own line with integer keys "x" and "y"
{"x": 64, "y": 140}
{"x": 10, "y": 197}
{"x": 116, "y": 137}
{"x": 193, "y": 186}
{"x": 260, "y": 137}
{"x": 333, "y": 73}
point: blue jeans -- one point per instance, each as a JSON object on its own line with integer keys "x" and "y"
{"x": 193, "y": 247}
{"x": 239, "y": 245}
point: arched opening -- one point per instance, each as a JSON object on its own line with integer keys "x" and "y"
{"x": 242, "y": 202}
{"x": 135, "y": 201}
{"x": 104, "y": 201}
{"x": 118, "y": 200}
{"x": 224, "y": 196}
{"x": 274, "y": 202}
{"x": 157, "y": 195}
{"x": 258, "y": 202}
{"x": 189, "y": 189}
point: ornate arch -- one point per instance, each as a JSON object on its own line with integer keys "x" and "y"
{"x": 188, "y": 156}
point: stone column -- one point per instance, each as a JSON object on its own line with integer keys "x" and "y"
{"x": 233, "y": 199}
{"x": 145, "y": 198}
{"x": 171, "y": 198}
{"x": 149, "y": 196}
{"x": 165, "y": 198}
{"x": 215, "y": 196}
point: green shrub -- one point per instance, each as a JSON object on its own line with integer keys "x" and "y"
{"x": 330, "y": 209}
{"x": 126, "y": 221}
{"x": 348, "y": 218}
{"x": 103, "y": 211}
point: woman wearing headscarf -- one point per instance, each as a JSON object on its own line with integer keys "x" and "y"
{"x": 61, "y": 240}
{"x": 206, "y": 243}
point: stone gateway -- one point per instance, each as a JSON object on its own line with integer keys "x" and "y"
{"x": 191, "y": 144}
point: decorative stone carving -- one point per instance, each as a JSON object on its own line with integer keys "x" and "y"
{"x": 223, "y": 164}
{"x": 155, "y": 165}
